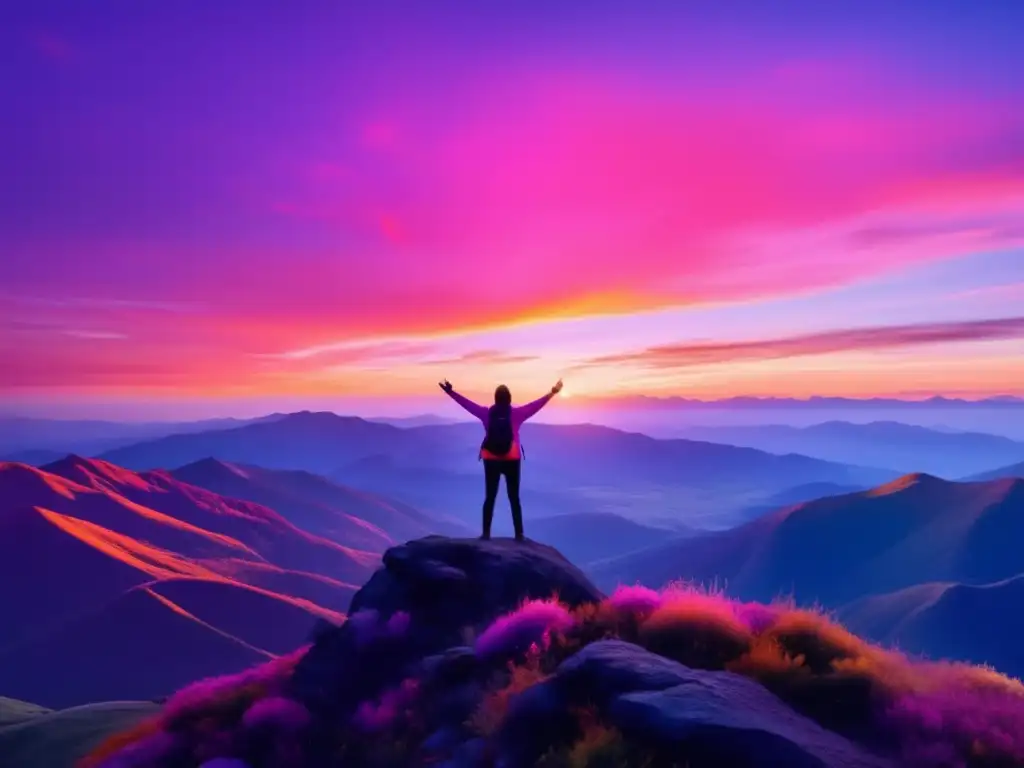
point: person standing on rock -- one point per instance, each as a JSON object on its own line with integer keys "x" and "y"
{"x": 501, "y": 450}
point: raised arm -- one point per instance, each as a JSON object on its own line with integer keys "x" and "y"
{"x": 524, "y": 412}
{"x": 479, "y": 411}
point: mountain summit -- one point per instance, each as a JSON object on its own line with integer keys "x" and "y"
{"x": 471, "y": 653}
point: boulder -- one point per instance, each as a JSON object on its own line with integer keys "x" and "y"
{"x": 708, "y": 717}
{"x": 443, "y": 589}
{"x": 449, "y": 584}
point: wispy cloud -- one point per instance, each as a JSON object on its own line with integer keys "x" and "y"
{"x": 79, "y": 333}
{"x": 87, "y": 302}
{"x": 356, "y": 351}
{"x": 844, "y": 340}
{"x": 46, "y": 327}
{"x": 486, "y": 356}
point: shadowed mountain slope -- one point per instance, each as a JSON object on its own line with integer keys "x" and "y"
{"x": 59, "y": 739}
{"x": 917, "y": 529}
{"x": 981, "y": 624}
{"x": 140, "y": 645}
{"x": 317, "y": 504}
{"x": 1014, "y": 470}
{"x": 119, "y": 567}
{"x": 586, "y": 536}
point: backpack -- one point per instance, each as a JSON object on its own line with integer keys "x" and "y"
{"x": 499, "y": 437}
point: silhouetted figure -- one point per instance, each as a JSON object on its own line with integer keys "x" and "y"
{"x": 501, "y": 449}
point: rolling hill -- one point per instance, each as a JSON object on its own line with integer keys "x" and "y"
{"x": 981, "y": 624}
{"x": 834, "y": 550}
{"x": 890, "y": 444}
{"x": 43, "y": 738}
{"x": 1014, "y": 470}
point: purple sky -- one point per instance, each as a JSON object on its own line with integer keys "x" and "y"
{"x": 219, "y": 207}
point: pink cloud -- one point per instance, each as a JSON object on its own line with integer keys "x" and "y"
{"x": 608, "y": 194}
{"x": 586, "y": 192}
{"x": 844, "y": 340}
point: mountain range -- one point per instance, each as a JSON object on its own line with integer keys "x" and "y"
{"x": 238, "y": 557}
{"x": 890, "y": 444}
{"x": 571, "y": 468}
{"x": 914, "y": 530}
{"x": 1009, "y": 401}
{"x": 214, "y": 565}
{"x": 26, "y": 436}
{"x": 902, "y": 562}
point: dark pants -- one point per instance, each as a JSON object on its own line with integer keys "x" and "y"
{"x": 493, "y": 470}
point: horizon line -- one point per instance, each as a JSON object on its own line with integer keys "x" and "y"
{"x": 580, "y": 402}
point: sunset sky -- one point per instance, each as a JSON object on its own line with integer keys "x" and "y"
{"x": 227, "y": 207}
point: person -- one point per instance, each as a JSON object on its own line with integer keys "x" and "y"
{"x": 501, "y": 449}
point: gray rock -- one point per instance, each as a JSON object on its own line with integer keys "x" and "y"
{"x": 442, "y": 740}
{"x": 727, "y": 717}
{"x": 471, "y": 754}
{"x": 719, "y": 717}
{"x": 452, "y": 666}
{"x": 455, "y": 705}
{"x": 448, "y": 584}
{"x": 610, "y": 667}
{"x": 538, "y": 718}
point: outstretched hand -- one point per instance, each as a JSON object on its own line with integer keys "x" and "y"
{"x": 557, "y": 388}
{"x": 445, "y": 385}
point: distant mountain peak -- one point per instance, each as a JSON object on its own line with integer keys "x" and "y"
{"x": 89, "y": 470}
{"x": 914, "y": 479}
{"x": 317, "y": 416}
{"x": 211, "y": 466}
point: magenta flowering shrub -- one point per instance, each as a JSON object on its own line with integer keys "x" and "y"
{"x": 147, "y": 752}
{"x": 276, "y": 712}
{"x": 367, "y": 626}
{"x": 385, "y": 712}
{"x": 398, "y": 624}
{"x": 637, "y": 600}
{"x": 939, "y": 727}
{"x": 515, "y": 632}
{"x": 264, "y": 679}
{"x": 363, "y": 624}
{"x": 757, "y": 617}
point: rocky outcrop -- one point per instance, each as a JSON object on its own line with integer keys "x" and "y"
{"x": 456, "y": 656}
{"x": 441, "y": 591}
{"x": 711, "y": 717}
{"x": 455, "y": 583}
